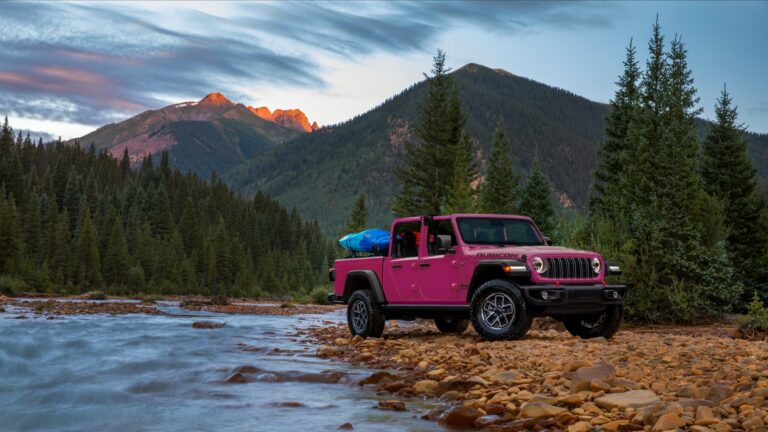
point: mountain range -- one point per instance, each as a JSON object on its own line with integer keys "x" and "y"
{"x": 320, "y": 171}
{"x": 213, "y": 134}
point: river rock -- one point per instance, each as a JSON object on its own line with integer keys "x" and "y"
{"x": 581, "y": 426}
{"x": 487, "y": 420}
{"x": 392, "y": 405}
{"x": 540, "y": 410}
{"x": 425, "y": 386}
{"x": 704, "y": 416}
{"x": 346, "y": 426}
{"x": 236, "y": 378}
{"x": 667, "y": 422}
{"x": 583, "y": 376}
{"x": 461, "y": 416}
{"x": 376, "y": 378}
{"x": 630, "y": 399}
{"x": 207, "y": 325}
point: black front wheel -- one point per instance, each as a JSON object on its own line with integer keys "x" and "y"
{"x": 455, "y": 326}
{"x": 604, "y": 324}
{"x": 364, "y": 316}
{"x": 499, "y": 311}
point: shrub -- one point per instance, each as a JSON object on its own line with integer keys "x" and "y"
{"x": 319, "y": 295}
{"x": 754, "y": 324}
{"x": 287, "y": 306}
{"x": 12, "y": 286}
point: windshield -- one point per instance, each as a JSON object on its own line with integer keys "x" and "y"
{"x": 498, "y": 231}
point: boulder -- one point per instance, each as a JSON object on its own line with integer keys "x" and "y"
{"x": 630, "y": 399}
{"x": 346, "y": 426}
{"x": 461, "y": 416}
{"x": 583, "y": 376}
{"x": 540, "y": 410}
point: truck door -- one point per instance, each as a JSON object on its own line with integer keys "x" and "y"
{"x": 402, "y": 270}
{"x": 440, "y": 279}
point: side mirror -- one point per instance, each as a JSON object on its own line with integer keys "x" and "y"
{"x": 547, "y": 241}
{"x": 443, "y": 242}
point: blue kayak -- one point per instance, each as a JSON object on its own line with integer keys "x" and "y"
{"x": 370, "y": 241}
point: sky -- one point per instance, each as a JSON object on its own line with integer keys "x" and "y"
{"x": 68, "y": 68}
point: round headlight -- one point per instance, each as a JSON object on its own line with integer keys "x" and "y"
{"x": 539, "y": 265}
{"x": 596, "y": 265}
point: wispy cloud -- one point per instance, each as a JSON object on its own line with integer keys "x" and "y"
{"x": 98, "y": 63}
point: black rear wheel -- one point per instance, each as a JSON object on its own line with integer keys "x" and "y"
{"x": 604, "y": 324}
{"x": 499, "y": 312}
{"x": 364, "y": 316}
{"x": 457, "y": 326}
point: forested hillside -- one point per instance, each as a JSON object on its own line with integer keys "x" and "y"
{"x": 322, "y": 173}
{"x": 77, "y": 220}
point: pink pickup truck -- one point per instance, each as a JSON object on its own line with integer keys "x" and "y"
{"x": 497, "y": 271}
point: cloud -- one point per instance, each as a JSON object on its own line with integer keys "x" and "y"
{"x": 98, "y": 63}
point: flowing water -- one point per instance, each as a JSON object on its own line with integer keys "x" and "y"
{"x": 155, "y": 372}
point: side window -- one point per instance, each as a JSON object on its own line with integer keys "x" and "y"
{"x": 439, "y": 227}
{"x": 406, "y": 241}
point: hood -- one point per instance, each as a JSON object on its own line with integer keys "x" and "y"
{"x": 516, "y": 252}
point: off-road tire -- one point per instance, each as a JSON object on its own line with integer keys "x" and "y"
{"x": 604, "y": 324}
{"x": 454, "y": 326}
{"x": 373, "y": 324}
{"x": 517, "y": 324}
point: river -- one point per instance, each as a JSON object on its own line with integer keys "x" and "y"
{"x": 155, "y": 372}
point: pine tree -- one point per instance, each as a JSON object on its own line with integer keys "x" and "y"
{"x": 729, "y": 175}
{"x": 160, "y": 214}
{"x": 428, "y": 162}
{"x": 221, "y": 260}
{"x": 88, "y": 260}
{"x": 116, "y": 258}
{"x": 358, "y": 220}
{"x": 606, "y": 196}
{"x": 72, "y": 199}
{"x": 536, "y": 200}
{"x": 11, "y": 240}
{"x": 125, "y": 165}
{"x": 189, "y": 226}
{"x": 501, "y": 186}
{"x": 33, "y": 229}
{"x": 462, "y": 195}
{"x": 61, "y": 255}
{"x": 165, "y": 165}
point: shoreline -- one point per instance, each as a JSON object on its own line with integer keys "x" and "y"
{"x": 652, "y": 379}
{"x": 52, "y": 306}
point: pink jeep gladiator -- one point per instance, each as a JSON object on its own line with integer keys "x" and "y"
{"x": 497, "y": 271}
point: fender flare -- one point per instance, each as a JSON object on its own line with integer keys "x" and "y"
{"x": 496, "y": 265}
{"x": 373, "y": 283}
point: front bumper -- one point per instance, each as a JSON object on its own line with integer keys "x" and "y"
{"x": 573, "y": 296}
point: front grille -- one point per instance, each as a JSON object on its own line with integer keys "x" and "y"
{"x": 569, "y": 268}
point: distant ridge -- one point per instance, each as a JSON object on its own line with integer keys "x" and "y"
{"x": 212, "y": 134}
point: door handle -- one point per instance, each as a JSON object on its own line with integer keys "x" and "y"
{"x": 424, "y": 264}
{"x": 397, "y": 265}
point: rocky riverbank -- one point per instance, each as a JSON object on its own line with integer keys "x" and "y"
{"x": 651, "y": 379}
{"x": 84, "y": 305}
